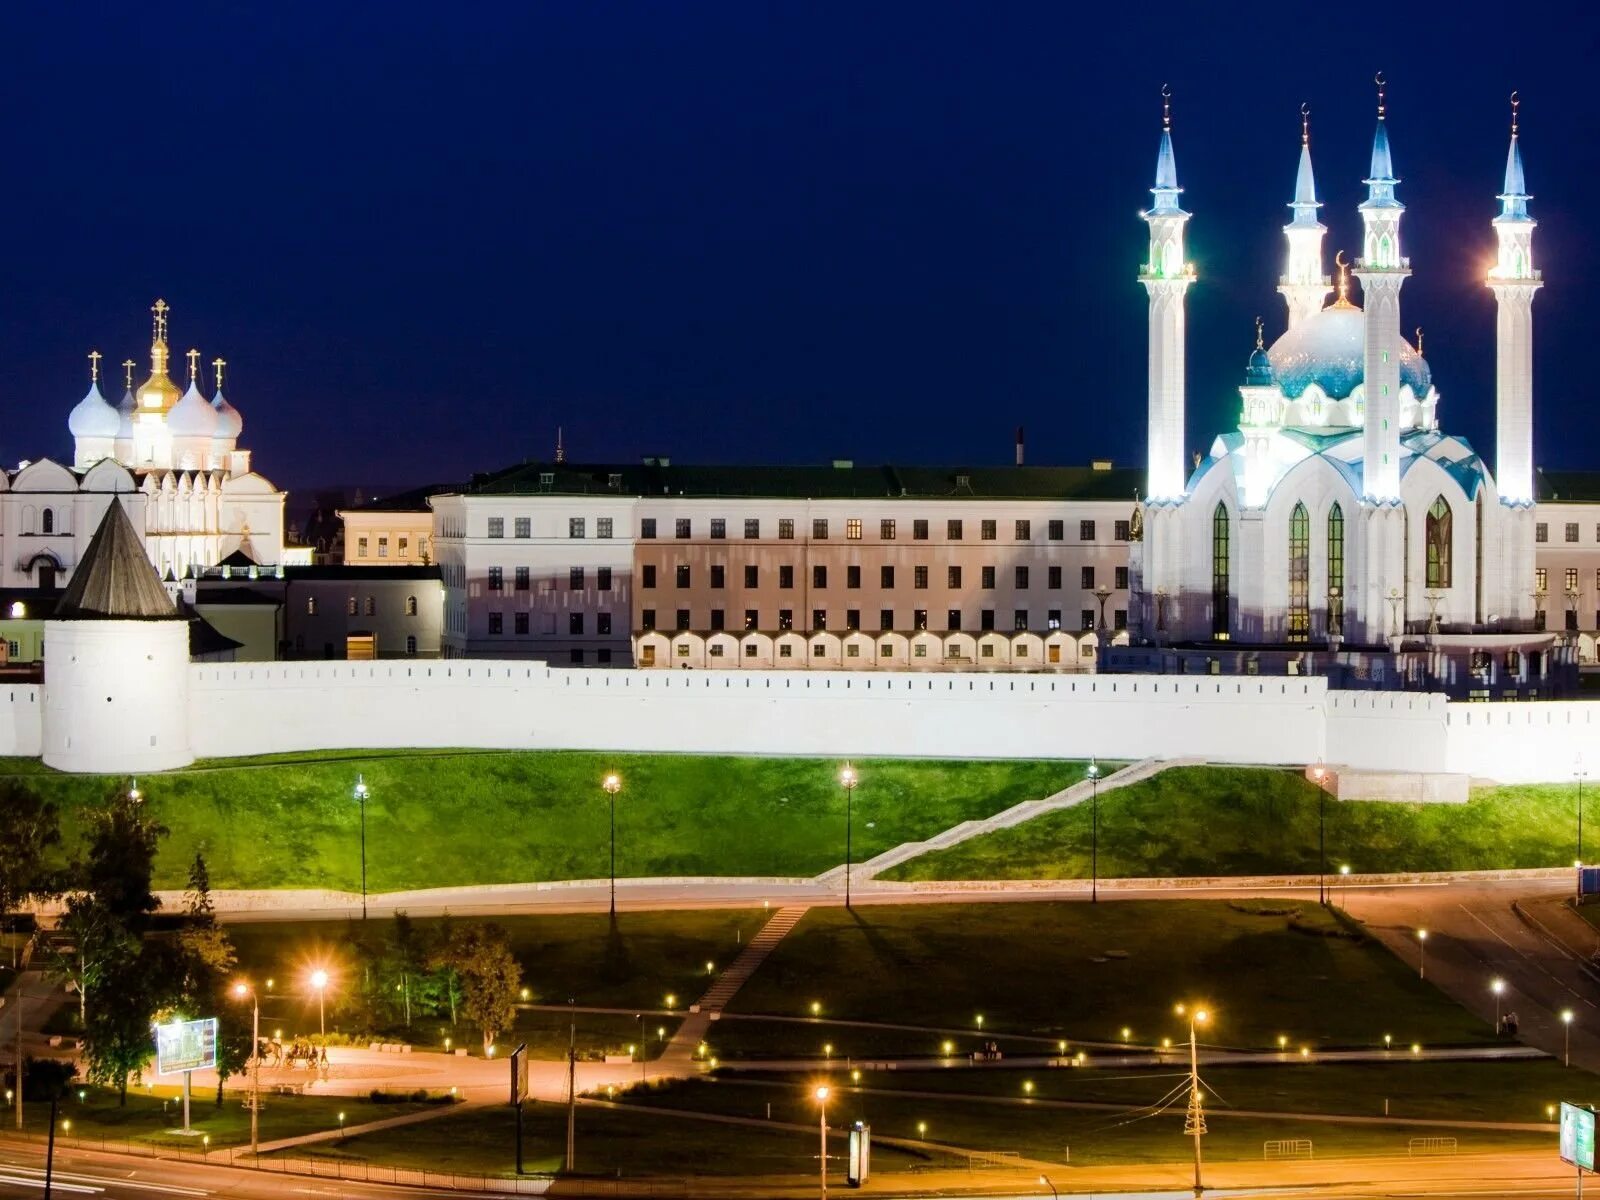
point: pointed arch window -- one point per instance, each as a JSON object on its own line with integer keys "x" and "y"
{"x": 1336, "y": 569}
{"x": 1438, "y": 531}
{"x": 1219, "y": 572}
{"x": 1298, "y": 626}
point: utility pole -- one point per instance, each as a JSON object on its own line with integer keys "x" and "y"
{"x": 50, "y": 1144}
{"x": 1194, "y": 1120}
{"x": 20, "y": 998}
{"x": 572, "y": 1089}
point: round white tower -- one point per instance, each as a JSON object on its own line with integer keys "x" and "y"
{"x": 1514, "y": 281}
{"x": 1166, "y": 277}
{"x": 115, "y": 698}
{"x": 1303, "y": 285}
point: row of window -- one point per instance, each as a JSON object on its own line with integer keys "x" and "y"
{"x": 1021, "y": 619}
{"x": 1541, "y": 579}
{"x": 353, "y": 608}
{"x": 1569, "y": 530}
{"x": 521, "y": 579}
{"x": 402, "y": 546}
{"x": 820, "y": 650}
{"x": 1021, "y": 576}
{"x": 988, "y": 530}
{"x": 577, "y": 527}
{"x": 575, "y": 623}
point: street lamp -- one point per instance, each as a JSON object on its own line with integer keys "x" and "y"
{"x": 1498, "y": 987}
{"x": 1566, "y": 1036}
{"x": 240, "y": 991}
{"x": 1317, "y": 773}
{"x": 1344, "y": 878}
{"x": 821, "y": 1095}
{"x": 1422, "y": 954}
{"x": 1194, "y": 1120}
{"x": 1094, "y": 822}
{"x": 847, "y": 780}
{"x": 1044, "y": 1181}
{"x": 361, "y": 792}
{"x": 319, "y": 983}
{"x": 612, "y": 784}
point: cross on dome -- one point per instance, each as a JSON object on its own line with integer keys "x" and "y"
{"x": 194, "y": 364}
{"x": 127, "y": 373}
{"x": 160, "y": 308}
{"x": 216, "y": 365}
{"x": 94, "y": 366}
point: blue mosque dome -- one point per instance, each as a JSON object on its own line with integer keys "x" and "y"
{"x": 1328, "y": 349}
{"x": 1258, "y": 371}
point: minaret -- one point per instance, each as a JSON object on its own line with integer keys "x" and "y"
{"x": 1303, "y": 286}
{"x": 1514, "y": 281}
{"x": 1382, "y": 270}
{"x": 1166, "y": 277}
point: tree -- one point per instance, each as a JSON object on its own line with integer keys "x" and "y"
{"x": 407, "y": 961}
{"x": 126, "y": 980}
{"x": 205, "y": 956}
{"x": 480, "y": 956}
{"x": 31, "y": 827}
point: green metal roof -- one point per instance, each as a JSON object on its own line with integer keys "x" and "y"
{"x": 651, "y": 478}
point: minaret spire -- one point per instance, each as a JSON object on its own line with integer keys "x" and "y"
{"x": 1514, "y": 280}
{"x": 1382, "y": 270}
{"x": 1303, "y": 285}
{"x": 1166, "y": 276}
{"x": 561, "y": 450}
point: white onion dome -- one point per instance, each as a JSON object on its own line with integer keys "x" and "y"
{"x": 192, "y": 416}
{"x": 93, "y": 417}
{"x": 1329, "y": 349}
{"x": 125, "y": 415}
{"x": 229, "y": 422}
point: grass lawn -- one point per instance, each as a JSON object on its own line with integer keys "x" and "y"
{"x": 609, "y": 1143}
{"x": 1031, "y": 969}
{"x": 152, "y": 1116}
{"x": 440, "y": 819}
{"x": 573, "y": 957}
{"x": 1057, "y": 1134}
{"x": 1243, "y": 821}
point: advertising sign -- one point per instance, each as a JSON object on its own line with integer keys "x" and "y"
{"x": 1589, "y": 881}
{"x": 186, "y": 1046}
{"x": 1577, "y": 1136}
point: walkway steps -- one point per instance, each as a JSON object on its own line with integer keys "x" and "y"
{"x": 683, "y": 1044}
{"x": 1078, "y": 793}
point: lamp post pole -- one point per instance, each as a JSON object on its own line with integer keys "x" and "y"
{"x": 1566, "y": 1036}
{"x": 361, "y": 793}
{"x": 1094, "y": 832}
{"x": 319, "y": 981}
{"x": 612, "y": 784}
{"x": 848, "y": 780}
{"x": 1422, "y": 954}
{"x": 1194, "y": 1121}
{"x": 242, "y": 990}
{"x": 1317, "y": 773}
{"x": 822, "y": 1149}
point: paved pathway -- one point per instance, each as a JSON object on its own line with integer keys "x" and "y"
{"x": 324, "y": 1136}
{"x": 678, "y": 1056}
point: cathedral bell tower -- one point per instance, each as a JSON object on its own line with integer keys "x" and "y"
{"x": 1382, "y": 270}
{"x": 1166, "y": 276}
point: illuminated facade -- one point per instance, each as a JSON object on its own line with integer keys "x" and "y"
{"x": 201, "y": 501}
{"x": 1338, "y": 530}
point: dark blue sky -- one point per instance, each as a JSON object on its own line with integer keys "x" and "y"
{"x": 424, "y": 235}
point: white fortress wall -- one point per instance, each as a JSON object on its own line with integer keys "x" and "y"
{"x": 1388, "y": 731}
{"x": 1528, "y": 742}
{"x": 254, "y": 709}
{"x": 21, "y": 720}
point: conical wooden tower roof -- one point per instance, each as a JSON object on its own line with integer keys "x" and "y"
{"x": 115, "y": 581}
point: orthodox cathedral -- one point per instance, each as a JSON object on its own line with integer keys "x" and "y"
{"x": 174, "y": 460}
{"x": 1338, "y": 530}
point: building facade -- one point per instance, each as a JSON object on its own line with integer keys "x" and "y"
{"x": 1339, "y": 530}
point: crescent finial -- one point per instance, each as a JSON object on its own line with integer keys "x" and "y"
{"x": 1378, "y": 79}
{"x": 1166, "y": 106}
{"x": 1515, "y": 102}
{"x": 1305, "y": 124}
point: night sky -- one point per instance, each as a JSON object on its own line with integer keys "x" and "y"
{"x": 424, "y": 235}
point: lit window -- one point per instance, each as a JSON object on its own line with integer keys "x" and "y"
{"x": 852, "y": 529}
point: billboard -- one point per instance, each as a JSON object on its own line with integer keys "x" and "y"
{"x": 186, "y": 1046}
{"x": 1577, "y": 1136}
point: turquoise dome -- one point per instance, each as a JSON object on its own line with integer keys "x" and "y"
{"x": 1328, "y": 349}
{"x": 1258, "y": 371}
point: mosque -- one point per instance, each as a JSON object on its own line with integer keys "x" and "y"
{"x": 175, "y": 458}
{"x": 1339, "y": 530}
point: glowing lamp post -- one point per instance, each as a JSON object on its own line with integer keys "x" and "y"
{"x": 1566, "y": 1036}
{"x": 1422, "y": 954}
{"x": 612, "y": 784}
{"x": 1498, "y": 987}
{"x": 240, "y": 991}
{"x": 319, "y": 984}
{"x": 361, "y": 792}
{"x": 1194, "y": 1121}
{"x": 821, "y": 1095}
{"x": 1318, "y": 773}
{"x": 1094, "y": 815}
{"x": 848, "y": 780}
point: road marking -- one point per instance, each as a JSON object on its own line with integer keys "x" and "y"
{"x": 55, "y": 1184}
{"x": 99, "y": 1183}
